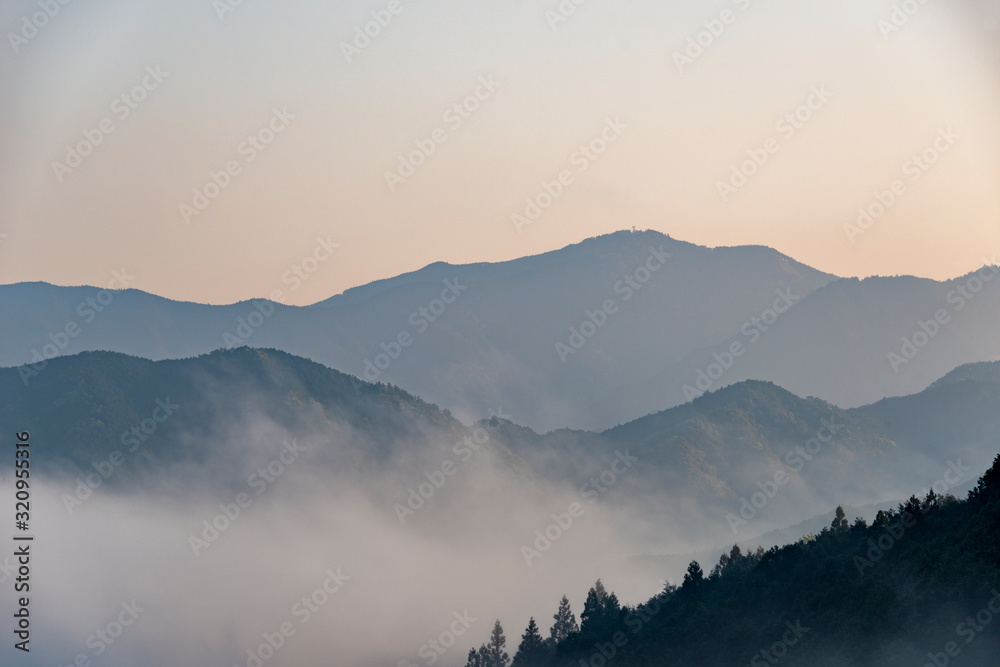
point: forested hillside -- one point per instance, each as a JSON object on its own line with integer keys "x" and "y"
{"x": 921, "y": 585}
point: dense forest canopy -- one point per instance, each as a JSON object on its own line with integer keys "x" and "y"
{"x": 919, "y": 586}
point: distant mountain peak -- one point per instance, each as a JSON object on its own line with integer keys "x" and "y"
{"x": 982, "y": 371}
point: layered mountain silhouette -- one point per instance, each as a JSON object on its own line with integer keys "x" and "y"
{"x": 589, "y": 336}
{"x": 745, "y": 459}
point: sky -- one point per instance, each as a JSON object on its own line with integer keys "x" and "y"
{"x": 217, "y": 151}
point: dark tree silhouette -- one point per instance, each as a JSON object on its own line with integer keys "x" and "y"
{"x": 601, "y": 611}
{"x": 494, "y": 654}
{"x": 732, "y": 562}
{"x": 532, "y": 650}
{"x": 693, "y": 578}
{"x": 565, "y": 622}
{"x": 840, "y": 520}
{"x": 476, "y": 658}
{"x": 837, "y": 589}
{"x": 988, "y": 486}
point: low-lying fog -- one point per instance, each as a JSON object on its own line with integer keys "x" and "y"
{"x": 138, "y": 578}
{"x": 328, "y": 555}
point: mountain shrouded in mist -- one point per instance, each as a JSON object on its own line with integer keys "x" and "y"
{"x": 550, "y": 336}
{"x": 917, "y": 586}
{"x": 714, "y": 453}
{"x": 392, "y": 486}
{"x": 589, "y": 336}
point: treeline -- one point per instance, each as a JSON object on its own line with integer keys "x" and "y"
{"x": 919, "y": 586}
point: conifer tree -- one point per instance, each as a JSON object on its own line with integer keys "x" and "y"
{"x": 693, "y": 577}
{"x": 565, "y": 622}
{"x": 988, "y": 486}
{"x": 532, "y": 650}
{"x": 601, "y": 611}
{"x": 494, "y": 654}
{"x": 840, "y": 520}
{"x": 593, "y": 608}
{"x": 476, "y": 657}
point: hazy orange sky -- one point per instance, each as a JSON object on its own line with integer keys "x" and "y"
{"x": 338, "y": 112}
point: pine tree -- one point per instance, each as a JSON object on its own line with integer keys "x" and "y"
{"x": 593, "y": 607}
{"x": 693, "y": 577}
{"x": 988, "y": 486}
{"x": 532, "y": 651}
{"x": 565, "y": 623}
{"x": 601, "y": 612}
{"x": 493, "y": 653}
{"x": 477, "y": 658}
{"x": 612, "y": 607}
{"x": 912, "y": 507}
{"x": 668, "y": 590}
{"x": 840, "y": 520}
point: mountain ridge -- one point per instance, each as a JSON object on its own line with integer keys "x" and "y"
{"x": 714, "y": 451}
{"x": 511, "y": 332}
